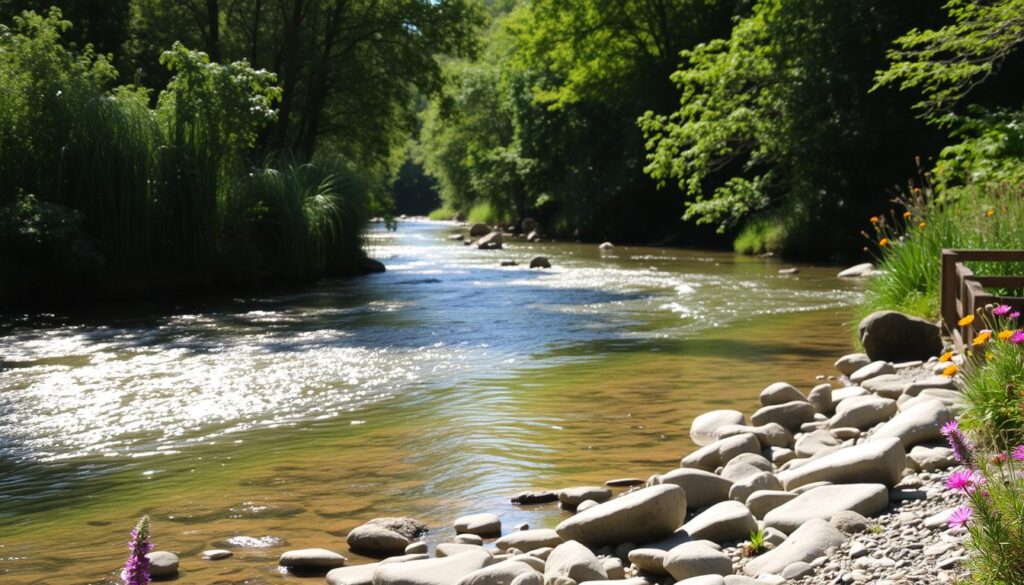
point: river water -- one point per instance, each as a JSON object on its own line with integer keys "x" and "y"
{"x": 438, "y": 388}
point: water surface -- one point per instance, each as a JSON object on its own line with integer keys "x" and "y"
{"x": 438, "y": 388}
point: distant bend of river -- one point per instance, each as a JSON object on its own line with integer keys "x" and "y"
{"x": 438, "y": 388}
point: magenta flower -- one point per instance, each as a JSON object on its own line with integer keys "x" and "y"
{"x": 958, "y": 442}
{"x": 1017, "y": 338}
{"x": 965, "y": 481}
{"x": 1015, "y": 315}
{"x": 960, "y": 517}
{"x": 136, "y": 568}
{"x": 1018, "y": 453}
{"x": 1001, "y": 310}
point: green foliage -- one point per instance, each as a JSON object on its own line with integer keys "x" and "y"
{"x": 994, "y": 389}
{"x": 443, "y": 213}
{"x": 910, "y": 262}
{"x": 103, "y": 195}
{"x": 755, "y": 544}
{"x": 777, "y": 116}
{"x": 762, "y": 234}
{"x": 945, "y": 64}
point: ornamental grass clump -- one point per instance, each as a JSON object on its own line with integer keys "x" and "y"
{"x": 136, "y": 568}
{"x": 989, "y": 443}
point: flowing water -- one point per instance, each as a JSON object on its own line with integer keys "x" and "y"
{"x": 438, "y": 388}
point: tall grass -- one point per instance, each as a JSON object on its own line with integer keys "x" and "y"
{"x": 102, "y": 194}
{"x": 910, "y": 238}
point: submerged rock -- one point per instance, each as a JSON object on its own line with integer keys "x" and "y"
{"x": 311, "y": 558}
{"x": 163, "y": 563}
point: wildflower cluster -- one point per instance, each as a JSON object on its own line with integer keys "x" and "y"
{"x": 136, "y": 568}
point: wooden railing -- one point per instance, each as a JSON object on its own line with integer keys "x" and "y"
{"x": 963, "y": 292}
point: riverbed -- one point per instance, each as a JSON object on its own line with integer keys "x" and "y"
{"x": 268, "y": 422}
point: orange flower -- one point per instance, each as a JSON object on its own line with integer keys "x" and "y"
{"x": 922, "y": 225}
{"x": 1005, "y": 334}
{"x": 990, "y": 213}
{"x": 883, "y": 242}
{"x": 906, "y": 215}
{"x": 982, "y": 337}
{"x": 948, "y": 356}
{"x": 966, "y": 321}
{"x": 950, "y": 371}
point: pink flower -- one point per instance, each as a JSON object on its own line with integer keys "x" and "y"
{"x": 1015, "y": 315}
{"x": 1018, "y": 453}
{"x": 1018, "y": 338}
{"x": 960, "y": 517}
{"x": 964, "y": 481}
{"x": 958, "y": 442}
{"x": 1001, "y": 310}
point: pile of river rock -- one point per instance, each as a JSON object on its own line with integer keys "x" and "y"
{"x": 844, "y": 483}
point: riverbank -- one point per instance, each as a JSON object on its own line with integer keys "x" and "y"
{"x": 843, "y": 484}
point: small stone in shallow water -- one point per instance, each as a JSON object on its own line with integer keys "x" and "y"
{"x": 162, "y": 563}
{"x": 311, "y": 558}
{"x": 216, "y": 554}
{"x": 624, "y": 482}
{"x": 536, "y": 497}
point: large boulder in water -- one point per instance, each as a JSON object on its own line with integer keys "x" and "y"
{"x": 642, "y": 516}
{"x": 491, "y": 241}
{"x": 479, "y": 229}
{"x": 895, "y": 337}
{"x": 376, "y": 541}
{"x": 704, "y": 428}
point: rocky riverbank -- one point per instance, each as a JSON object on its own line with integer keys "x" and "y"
{"x": 841, "y": 484}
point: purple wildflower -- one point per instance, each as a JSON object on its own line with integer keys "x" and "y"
{"x": 960, "y": 517}
{"x": 1017, "y": 338}
{"x": 1015, "y": 315}
{"x": 965, "y": 480}
{"x": 1001, "y": 310}
{"x": 136, "y": 568}
{"x": 958, "y": 442}
{"x": 1018, "y": 453}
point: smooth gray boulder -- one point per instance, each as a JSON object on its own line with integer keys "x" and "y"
{"x": 763, "y": 501}
{"x": 857, "y": 270}
{"x": 896, "y": 337}
{"x": 165, "y": 564}
{"x": 874, "y": 369}
{"x": 693, "y": 559}
{"x": 849, "y": 522}
{"x": 820, "y": 398}
{"x": 932, "y": 458}
{"x": 846, "y": 393}
{"x": 527, "y": 540}
{"x": 812, "y": 443}
{"x": 880, "y": 461}
{"x": 491, "y": 241}
{"x": 574, "y": 496}
{"x": 448, "y": 549}
{"x": 702, "y": 488}
{"x": 703, "y": 429}
{"x": 717, "y": 454}
{"x": 851, "y": 362}
{"x": 886, "y": 385}
{"x": 769, "y": 435}
{"x": 217, "y": 554}
{"x": 465, "y": 538}
{"x": 479, "y": 524}
{"x": 645, "y": 515}
{"x": 311, "y": 558}
{"x": 780, "y": 393}
{"x": 755, "y": 460}
{"x": 417, "y": 548}
{"x": 439, "y": 571}
{"x": 868, "y": 499}
{"x": 575, "y": 561}
{"x": 914, "y": 388}
{"x": 502, "y": 573}
{"x": 807, "y": 543}
{"x": 478, "y": 229}
{"x": 651, "y": 560}
{"x": 529, "y": 579}
{"x": 703, "y": 580}
{"x": 376, "y": 541}
{"x": 724, "y": 522}
{"x": 790, "y": 415}
{"x": 916, "y": 424}
{"x": 763, "y": 480}
{"x": 863, "y": 412}
{"x": 407, "y": 527}
{"x": 354, "y": 575}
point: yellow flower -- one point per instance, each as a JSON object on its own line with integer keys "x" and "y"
{"x": 922, "y": 225}
{"x": 1005, "y": 334}
{"x": 982, "y": 337}
{"x": 990, "y": 212}
{"x": 966, "y": 321}
{"x": 948, "y": 356}
{"x": 989, "y": 356}
{"x": 883, "y": 242}
{"x": 906, "y": 215}
{"x": 950, "y": 371}
{"x": 874, "y": 219}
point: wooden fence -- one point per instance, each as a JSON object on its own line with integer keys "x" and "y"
{"x": 964, "y": 293}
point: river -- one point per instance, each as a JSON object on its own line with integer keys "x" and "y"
{"x": 438, "y": 388}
